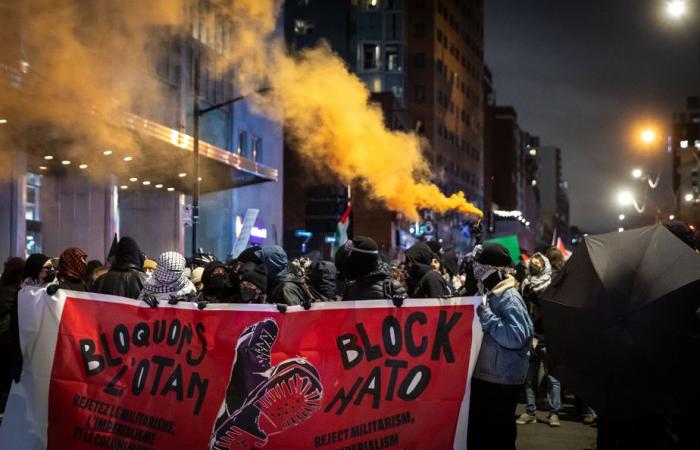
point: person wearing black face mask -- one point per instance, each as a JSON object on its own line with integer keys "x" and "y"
{"x": 423, "y": 280}
{"x": 216, "y": 283}
{"x": 253, "y": 283}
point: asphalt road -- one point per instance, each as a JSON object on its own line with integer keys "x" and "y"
{"x": 572, "y": 435}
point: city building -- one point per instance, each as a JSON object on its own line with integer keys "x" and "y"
{"x": 429, "y": 55}
{"x": 512, "y": 171}
{"x": 138, "y": 180}
{"x": 445, "y": 96}
{"x": 685, "y": 146}
{"x": 554, "y": 197}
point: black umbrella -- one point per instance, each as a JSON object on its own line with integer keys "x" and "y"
{"x": 621, "y": 323}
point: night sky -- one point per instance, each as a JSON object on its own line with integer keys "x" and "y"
{"x": 582, "y": 75}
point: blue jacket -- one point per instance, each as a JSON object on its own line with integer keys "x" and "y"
{"x": 505, "y": 351}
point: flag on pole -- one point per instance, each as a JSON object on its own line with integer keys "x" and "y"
{"x": 341, "y": 230}
{"x": 562, "y": 249}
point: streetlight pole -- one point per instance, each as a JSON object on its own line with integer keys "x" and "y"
{"x": 197, "y": 113}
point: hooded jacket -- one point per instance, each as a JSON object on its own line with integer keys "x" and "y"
{"x": 533, "y": 287}
{"x": 323, "y": 277}
{"x": 126, "y": 276}
{"x": 282, "y": 286}
{"x": 505, "y": 350}
{"x": 372, "y": 286}
{"x": 424, "y": 281}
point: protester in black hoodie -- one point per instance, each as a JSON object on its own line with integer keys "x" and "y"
{"x": 10, "y": 353}
{"x": 126, "y": 276}
{"x": 368, "y": 277}
{"x": 216, "y": 283}
{"x": 424, "y": 281}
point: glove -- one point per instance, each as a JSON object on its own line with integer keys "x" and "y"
{"x": 201, "y": 304}
{"x": 51, "y": 290}
{"x": 151, "y": 300}
{"x": 398, "y": 293}
{"x": 306, "y": 304}
{"x": 174, "y": 300}
{"x": 281, "y": 307}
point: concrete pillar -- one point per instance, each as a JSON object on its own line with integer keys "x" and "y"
{"x": 13, "y": 190}
{"x": 154, "y": 219}
{"x": 75, "y": 212}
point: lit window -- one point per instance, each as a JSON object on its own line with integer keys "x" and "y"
{"x": 370, "y": 56}
{"x": 304, "y": 27}
{"x": 393, "y": 58}
{"x": 684, "y": 144}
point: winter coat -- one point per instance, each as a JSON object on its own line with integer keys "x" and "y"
{"x": 8, "y": 314}
{"x": 121, "y": 280}
{"x": 505, "y": 350}
{"x": 424, "y": 281}
{"x": 282, "y": 285}
{"x": 126, "y": 277}
{"x": 375, "y": 285}
{"x": 533, "y": 287}
{"x": 430, "y": 283}
{"x": 323, "y": 278}
{"x": 289, "y": 291}
{"x": 73, "y": 285}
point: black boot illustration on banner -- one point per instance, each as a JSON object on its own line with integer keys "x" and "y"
{"x": 262, "y": 400}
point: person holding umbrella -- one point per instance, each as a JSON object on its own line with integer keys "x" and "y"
{"x": 504, "y": 357}
{"x": 623, "y": 333}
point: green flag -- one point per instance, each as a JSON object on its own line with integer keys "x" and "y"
{"x": 511, "y": 243}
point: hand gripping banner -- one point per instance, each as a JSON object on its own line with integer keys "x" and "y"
{"x": 108, "y": 372}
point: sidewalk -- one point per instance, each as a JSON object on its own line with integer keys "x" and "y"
{"x": 572, "y": 435}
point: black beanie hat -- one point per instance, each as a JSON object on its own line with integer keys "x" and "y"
{"x": 494, "y": 255}
{"x": 255, "y": 274}
{"x": 435, "y": 247}
{"x": 363, "y": 256}
{"x": 250, "y": 255}
{"x": 33, "y": 266}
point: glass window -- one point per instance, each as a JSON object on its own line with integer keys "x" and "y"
{"x": 369, "y": 25}
{"x": 371, "y": 4}
{"x": 243, "y": 143}
{"x": 394, "y": 27}
{"x": 370, "y": 56}
{"x": 257, "y": 149}
{"x": 31, "y": 211}
{"x": 393, "y": 58}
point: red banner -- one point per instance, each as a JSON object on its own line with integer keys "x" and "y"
{"x": 339, "y": 376}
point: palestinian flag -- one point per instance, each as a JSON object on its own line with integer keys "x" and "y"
{"x": 341, "y": 230}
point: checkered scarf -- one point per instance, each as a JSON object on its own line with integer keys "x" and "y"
{"x": 169, "y": 276}
{"x": 72, "y": 264}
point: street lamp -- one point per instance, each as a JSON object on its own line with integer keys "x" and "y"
{"x": 625, "y": 198}
{"x": 637, "y": 173}
{"x": 689, "y": 197}
{"x": 648, "y": 136}
{"x": 197, "y": 114}
{"x": 621, "y": 217}
{"x": 676, "y": 8}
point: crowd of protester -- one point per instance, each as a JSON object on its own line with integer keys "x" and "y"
{"x": 513, "y": 351}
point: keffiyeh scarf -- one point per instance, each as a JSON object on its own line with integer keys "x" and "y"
{"x": 72, "y": 264}
{"x": 169, "y": 276}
